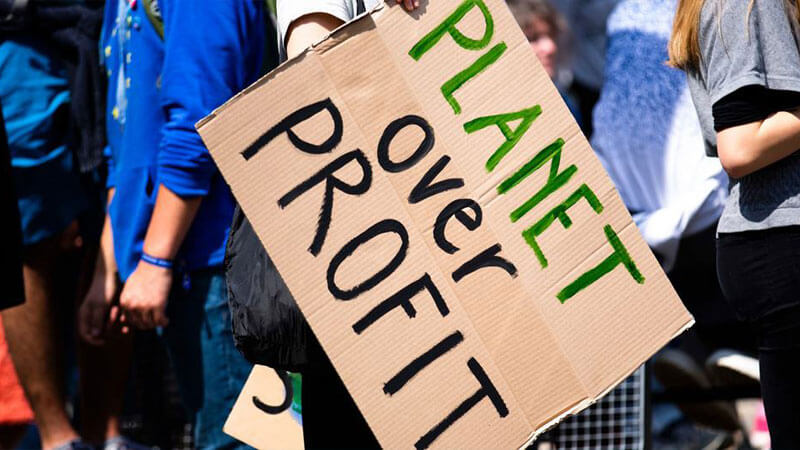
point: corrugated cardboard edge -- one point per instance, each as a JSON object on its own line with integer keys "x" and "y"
{"x": 329, "y": 41}
{"x": 580, "y": 406}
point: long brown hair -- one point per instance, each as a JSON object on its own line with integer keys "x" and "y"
{"x": 684, "y": 45}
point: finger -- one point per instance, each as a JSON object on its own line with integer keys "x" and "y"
{"x": 409, "y": 5}
{"x": 124, "y": 300}
{"x": 114, "y": 314}
{"x": 89, "y": 331}
{"x": 83, "y": 323}
{"x": 128, "y": 305}
{"x": 134, "y": 317}
{"x": 97, "y": 342}
{"x": 93, "y": 341}
{"x": 148, "y": 321}
{"x": 97, "y": 316}
{"x": 144, "y": 318}
{"x": 123, "y": 321}
{"x": 160, "y": 318}
{"x": 87, "y": 337}
{"x": 139, "y": 319}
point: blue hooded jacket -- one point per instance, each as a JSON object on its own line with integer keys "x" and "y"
{"x": 158, "y": 89}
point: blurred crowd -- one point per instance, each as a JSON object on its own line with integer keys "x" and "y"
{"x": 116, "y": 328}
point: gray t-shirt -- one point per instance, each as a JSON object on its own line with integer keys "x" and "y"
{"x": 741, "y": 47}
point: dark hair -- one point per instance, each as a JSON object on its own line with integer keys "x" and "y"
{"x": 526, "y": 10}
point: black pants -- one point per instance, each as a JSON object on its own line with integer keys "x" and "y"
{"x": 694, "y": 277}
{"x": 759, "y": 272}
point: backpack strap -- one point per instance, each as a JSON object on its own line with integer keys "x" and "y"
{"x": 153, "y": 12}
{"x": 360, "y": 8}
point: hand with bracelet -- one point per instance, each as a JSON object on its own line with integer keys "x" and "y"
{"x": 146, "y": 292}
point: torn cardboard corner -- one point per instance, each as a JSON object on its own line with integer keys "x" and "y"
{"x": 444, "y": 226}
{"x": 265, "y": 415}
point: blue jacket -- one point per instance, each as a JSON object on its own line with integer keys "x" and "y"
{"x": 158, "y": 89}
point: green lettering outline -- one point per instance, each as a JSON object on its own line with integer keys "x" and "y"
{"x": 528, "y": 115}
{"x": 620, "y": 255}
{"x": 560, "y": 213}
{"x": 449, "y": 26}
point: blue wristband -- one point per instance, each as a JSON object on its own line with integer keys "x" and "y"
{"x": 165, "y": 263}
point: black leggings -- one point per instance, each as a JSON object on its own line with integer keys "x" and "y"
{"x": 759, "y": 272}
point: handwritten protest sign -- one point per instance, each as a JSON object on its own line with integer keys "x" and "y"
{"x": 444, "y": 226}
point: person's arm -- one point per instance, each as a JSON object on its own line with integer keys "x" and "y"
{"x": 201, "y": 70}
{"x": 744, "y": 149}
{"x": 312, "y": 26}
{"x": 756, "y": 127}
{"x": 144, "y": 297}
{"x": 753, "y": 83}
{"x": 307, "y": 30}
{"x": 93, "y": 315}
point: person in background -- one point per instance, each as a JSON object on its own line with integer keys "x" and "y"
{"x": 546, "y": 31}
{"x": 53, "y": 202}
{"x": 587, "y": 22}
{"x": 16, "y": 414}
{"x": 649, "y": 141}
{"x": 743, "y": 67}
{"x": 169, "y": 64}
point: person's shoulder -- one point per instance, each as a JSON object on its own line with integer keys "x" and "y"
{"x": 724, "y": 25}
{"x": 719, "y": 15}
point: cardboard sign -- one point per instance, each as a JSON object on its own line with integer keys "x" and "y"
{"x": 444, "y": 226}
{"x": 264, "y": 415}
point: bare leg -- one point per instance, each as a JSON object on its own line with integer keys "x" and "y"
{"x": 103, "y": 368}
{"x": 33, "y": 332}
{"x": 104, "y": 372}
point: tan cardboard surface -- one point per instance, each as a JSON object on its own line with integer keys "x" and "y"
{"x": 544, "y": 347}
{"x": 255, "y": 427}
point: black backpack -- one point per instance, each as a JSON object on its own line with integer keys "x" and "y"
{"x": 268, "y": 327}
